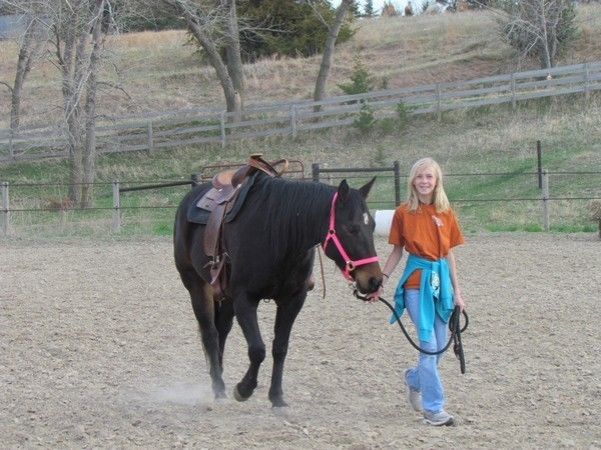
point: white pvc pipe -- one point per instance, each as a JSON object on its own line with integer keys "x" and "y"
{"x": 383, "y": 219}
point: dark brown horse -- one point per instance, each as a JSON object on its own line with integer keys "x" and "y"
{"x": 270, "y": 247}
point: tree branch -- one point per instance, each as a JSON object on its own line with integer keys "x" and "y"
{"x": 116, "y": 87}
{"x": 10, "y": 88}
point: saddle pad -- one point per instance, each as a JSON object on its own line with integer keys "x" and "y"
{"x": 198, "y": 215}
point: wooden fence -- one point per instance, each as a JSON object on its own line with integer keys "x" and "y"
{"x": 179, "y": 128}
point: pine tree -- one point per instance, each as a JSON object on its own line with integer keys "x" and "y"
{"x": 354, "y": 9}
{"x": 369, "y": 8}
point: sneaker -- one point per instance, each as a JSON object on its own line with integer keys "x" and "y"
{"x": 413, "y": 396}
{"x": 438, "y": 419}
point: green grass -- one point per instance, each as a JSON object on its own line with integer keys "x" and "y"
{"x": 489, "y": 159}
{"x": 488, "y": 140}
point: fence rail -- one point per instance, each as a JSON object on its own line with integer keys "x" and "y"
{"x": 192, "y": 126}
{"x": 34, "y": 206}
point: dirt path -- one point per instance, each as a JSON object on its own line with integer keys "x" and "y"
{"x": 98, "y": 348}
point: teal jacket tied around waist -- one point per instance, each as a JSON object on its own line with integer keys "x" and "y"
{"x": 436, "y": 293}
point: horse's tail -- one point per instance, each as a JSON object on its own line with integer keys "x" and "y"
{"x": 182, "y": 229}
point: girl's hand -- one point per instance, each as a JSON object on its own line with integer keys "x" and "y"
{"x": 459, "y": 301}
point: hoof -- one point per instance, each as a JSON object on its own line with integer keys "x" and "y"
{"x": 280, "y": 411}
{"x": 238, "y": 396}
{"x": 278, "y": 402}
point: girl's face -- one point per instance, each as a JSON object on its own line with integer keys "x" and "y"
{"x": 424, "y": 184}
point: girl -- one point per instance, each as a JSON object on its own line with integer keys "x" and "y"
{"x": 427, "y": 228}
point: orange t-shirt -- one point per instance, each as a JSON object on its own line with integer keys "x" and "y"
{"x": 424, "y": 233}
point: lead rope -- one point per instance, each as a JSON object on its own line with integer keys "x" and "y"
{"x": 323, "y": 277}
{"x": 454, "y": 327}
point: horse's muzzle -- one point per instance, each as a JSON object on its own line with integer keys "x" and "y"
{"x": 368, "y": 283}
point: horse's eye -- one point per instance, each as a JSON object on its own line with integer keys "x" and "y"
{"x": 352, "y": 229}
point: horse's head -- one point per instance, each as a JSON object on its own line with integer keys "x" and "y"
{"x": 350, "y": 237}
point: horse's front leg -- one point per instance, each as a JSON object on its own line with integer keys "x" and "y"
{"x": 287, "y": 311}
{"x": 246, "y": 314}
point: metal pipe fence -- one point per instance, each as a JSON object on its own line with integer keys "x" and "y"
{"x": 489, "y": 201}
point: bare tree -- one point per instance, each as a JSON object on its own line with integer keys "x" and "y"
{"x": 214, "y": 25}
{"x": 73, "y": 29}
{"x": 328, "y": 51}
{"x": 29, "y": 48}
{"x": 89, "y": 151}
{"x": 24, "y": 61}
{"x": 77, "y": 55}
{"x": 538, "y": 27}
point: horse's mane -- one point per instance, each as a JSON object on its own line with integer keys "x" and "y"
{"x": 294, "y": 208}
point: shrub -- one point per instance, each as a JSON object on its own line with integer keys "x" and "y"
{"x": 361, "y": 80}
{"x": 403, "y": 110}
{"x": 366, "y": 120}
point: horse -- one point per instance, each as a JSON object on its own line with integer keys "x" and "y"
{"x": 269, "y": 251}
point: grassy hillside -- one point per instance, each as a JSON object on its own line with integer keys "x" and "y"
{"x": 158, "y": 72}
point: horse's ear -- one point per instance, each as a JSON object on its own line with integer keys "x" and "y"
{"x": 364, "y": 190}
{"x": 343, "y": 190}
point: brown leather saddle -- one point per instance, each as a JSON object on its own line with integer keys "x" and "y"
{"x": 218, "y": 201}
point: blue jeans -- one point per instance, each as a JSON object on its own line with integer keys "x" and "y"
{"x": 425, "y": 377}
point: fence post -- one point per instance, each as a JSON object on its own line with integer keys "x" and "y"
{"x": 5, "y": 209}
{"x": 150, "y": 136}
{"x": 222, "y": 124}
{"x": 513, "y": 100}
{"x": 586, "y": 81}
{"x": 315, "y": 172}
{"x": 539, "y": 153}
{"x": 397, "y": 183}
{"x": 438, "y": 111}
{"x": 293, "y": 120}
{"x": 116, "y": 208}
{"x": 11, "y": 149}
{"x": 545, "y": 200}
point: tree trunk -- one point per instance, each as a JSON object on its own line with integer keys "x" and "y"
{"x": 65, "y": 57}
{"x": 328, "y": 51}
{"x": 545, "y": 36}
{"x": 23, "y": 68}
{"x": 228, "y": 68}
{"x": 232, "y": 96}
{"x": 557, "y": 11}
{"x": 233, "y": 52}
{"x": 71, "y": 61}
{"x": 89, "y": 154}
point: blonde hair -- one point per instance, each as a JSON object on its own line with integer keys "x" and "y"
{"x": 439, "y": 196}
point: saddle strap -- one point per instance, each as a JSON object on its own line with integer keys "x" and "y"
{"x": 213, "y": 231}
{"x": 218, "y": 273}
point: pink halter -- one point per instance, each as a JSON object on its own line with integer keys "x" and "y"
{"x": 350, "y": 265}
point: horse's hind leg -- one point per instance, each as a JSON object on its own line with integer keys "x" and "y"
{"x": 224, "y": 317}
{"x": 286, "y": 314}
{"x": 203, "y": 305}
{"x": 246, "y": 314}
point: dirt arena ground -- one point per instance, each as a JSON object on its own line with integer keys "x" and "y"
{"x": 99, "y": 348}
